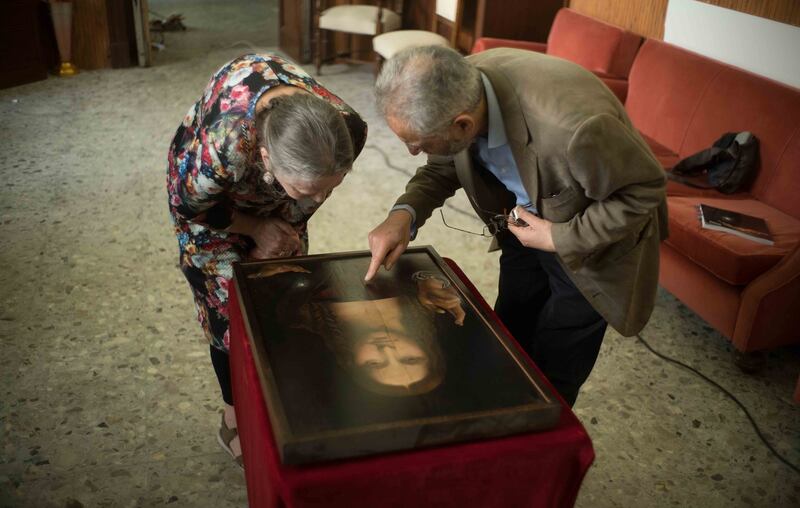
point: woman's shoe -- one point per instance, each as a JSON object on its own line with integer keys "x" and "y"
{"x": 225, "y": 436}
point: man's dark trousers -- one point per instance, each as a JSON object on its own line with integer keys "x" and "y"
{"x": 548, "y": 316}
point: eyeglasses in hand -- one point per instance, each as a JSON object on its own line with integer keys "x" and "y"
{"x": 497, "y": 222}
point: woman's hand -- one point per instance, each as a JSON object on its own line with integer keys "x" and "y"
{"x": 274, "y": 238}
{"x": 434, "y": 295}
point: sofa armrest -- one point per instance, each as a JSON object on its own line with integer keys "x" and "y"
{"x": 484, "y": 43}
{"x": 769, "y": 307}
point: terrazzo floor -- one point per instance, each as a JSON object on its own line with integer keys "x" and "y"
{"x": 108, "y": 397}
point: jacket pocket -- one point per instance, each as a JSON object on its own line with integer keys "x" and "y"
{"x": 556, "y": 208}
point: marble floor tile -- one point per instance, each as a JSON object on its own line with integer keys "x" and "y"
{"x": 204, "y": 480}
{"x": 108, "y": 486}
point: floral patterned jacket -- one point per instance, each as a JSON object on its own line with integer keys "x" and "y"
{"x": 211, "y": 169}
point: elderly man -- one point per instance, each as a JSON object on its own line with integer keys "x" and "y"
{"x": 542, "y": 136}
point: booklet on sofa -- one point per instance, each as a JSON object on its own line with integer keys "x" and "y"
{"x": 735, "y": 223}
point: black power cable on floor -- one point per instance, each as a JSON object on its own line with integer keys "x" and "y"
{"x": 726, "y": 392}
{"x": 410, "y": 174}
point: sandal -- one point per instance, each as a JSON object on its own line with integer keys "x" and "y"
{"x": 224, "y": 437}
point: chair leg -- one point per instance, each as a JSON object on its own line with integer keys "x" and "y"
{"x": 318, "y": 58}
{"x": 350, "y": 53}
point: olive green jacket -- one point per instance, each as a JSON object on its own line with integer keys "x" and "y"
{"x": 586, "y": 169}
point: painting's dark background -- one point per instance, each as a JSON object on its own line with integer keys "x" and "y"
{"x": 318, "y": 395}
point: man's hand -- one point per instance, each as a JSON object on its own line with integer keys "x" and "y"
{"x": 435, "y": 296}
{"x": 388, "y": 241}
{"x": 275, "y": 238}
{"x": 537, "y": 234}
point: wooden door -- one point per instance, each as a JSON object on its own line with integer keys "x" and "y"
{"x": 21, "y": 56}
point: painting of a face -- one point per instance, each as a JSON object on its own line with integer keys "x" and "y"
{"x": 382, "y": 348}
{"x": 408, "y": 360}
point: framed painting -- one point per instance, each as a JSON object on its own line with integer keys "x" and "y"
{"x": 406, "y": 361}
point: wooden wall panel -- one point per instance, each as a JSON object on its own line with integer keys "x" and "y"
{"x": 292, "y": 29}
{"x": 644, "y": 17}
{"x": 784, "y": 11}
{"x": 122, "y": 37}
{"x": 418, "y": 14}
{"x": 90, "y": 39}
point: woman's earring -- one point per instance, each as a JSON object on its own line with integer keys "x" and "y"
{"x": 268, "y": 177}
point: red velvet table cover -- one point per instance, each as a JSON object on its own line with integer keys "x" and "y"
{"x": 543, "y": 469}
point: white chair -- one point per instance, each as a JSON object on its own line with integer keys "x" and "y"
{"x": 386, "y": 45}
{"x": 359, "y": 19}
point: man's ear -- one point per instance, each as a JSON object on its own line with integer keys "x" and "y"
{"x": 464, "y": 123}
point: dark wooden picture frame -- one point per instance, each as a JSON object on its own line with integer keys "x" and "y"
{"x": 350, "y": 369}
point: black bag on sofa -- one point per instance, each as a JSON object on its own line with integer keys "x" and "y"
{"x": 730, "y": 164}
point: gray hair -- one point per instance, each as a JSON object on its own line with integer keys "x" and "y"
{"x": 427, "y": 87}
{"x": 305, "y": 137}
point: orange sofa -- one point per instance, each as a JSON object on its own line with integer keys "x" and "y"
{"x": 606, "y": 50}
{"x": 682, "y": 102}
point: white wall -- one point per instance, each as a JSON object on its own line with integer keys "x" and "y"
{"x": 759, "y": 45}
{"x": 447, "y": 9}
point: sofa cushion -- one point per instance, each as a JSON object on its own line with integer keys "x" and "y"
{"x": 665, "y": 87}
{"x": 738, "y": 100}
{"x": 358, "y": 19}
{"x": 666, "y": 157}
{"x": 602, "y": 48}
{"x": 783, "y": 188}
{"x": 678, "y": 189}
{"x": 685, "y": 102}
{"x": 617, "y": 85}
{"x": 733, "y": 259}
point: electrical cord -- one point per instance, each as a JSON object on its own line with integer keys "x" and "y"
{"x": 410, "y": 174}
{"x": 730, "y": 396}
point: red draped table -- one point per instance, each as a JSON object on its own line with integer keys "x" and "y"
{"x": 543, "y": 469}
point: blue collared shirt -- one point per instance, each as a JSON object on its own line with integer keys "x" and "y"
{"x": 494, "y": 153}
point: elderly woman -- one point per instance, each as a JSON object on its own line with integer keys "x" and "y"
{"x": 253, "y": 159}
